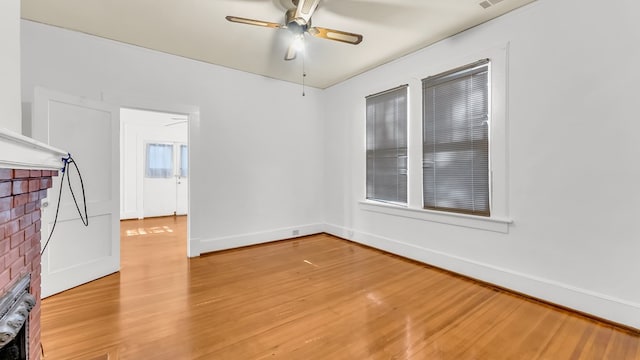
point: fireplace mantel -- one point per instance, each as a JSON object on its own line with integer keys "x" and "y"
{"x": 21, "y": 152}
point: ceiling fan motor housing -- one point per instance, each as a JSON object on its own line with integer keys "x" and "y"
{"x": 296, "y": 25}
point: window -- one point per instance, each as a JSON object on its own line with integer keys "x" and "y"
{"x": 159, "y": 161}
{"x": 455, "y": 123}
{"x": 387, "y": 145}
{"x": 184, "y": 160}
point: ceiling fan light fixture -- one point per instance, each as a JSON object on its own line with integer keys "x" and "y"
{"x": 298, "y": 22}
{"x": 298, "y": 42}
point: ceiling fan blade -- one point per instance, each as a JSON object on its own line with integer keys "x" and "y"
{"x": 336, "y": 35}
{"x": 291, "y": 53}
{"x": 306, "y": 8}
{"x": 240, "y": 20}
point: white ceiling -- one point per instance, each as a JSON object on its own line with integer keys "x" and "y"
{"x": 197, "y": 29}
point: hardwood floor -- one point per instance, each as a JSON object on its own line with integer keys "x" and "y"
{"x": 317, "y": 297}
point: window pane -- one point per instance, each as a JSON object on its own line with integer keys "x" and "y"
{"x": 184, "y": 160}
{"x": 456, "y": 140}
{"x": 387, "y": 146}
{"x": 159, "y": 161}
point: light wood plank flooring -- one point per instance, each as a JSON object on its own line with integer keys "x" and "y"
{"x": 316, "y": 297}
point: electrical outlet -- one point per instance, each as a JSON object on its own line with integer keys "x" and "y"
{"x": 295, "y": 232}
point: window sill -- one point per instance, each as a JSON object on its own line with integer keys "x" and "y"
{"x": 475, "y": 222}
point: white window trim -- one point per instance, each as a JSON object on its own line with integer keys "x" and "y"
{"x": 470, "y": 221}
{"x": 499, "y": 220}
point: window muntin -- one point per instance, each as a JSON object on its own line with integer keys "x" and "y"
{"x": 387, "y": 145}
{"x": 456, "y": 140}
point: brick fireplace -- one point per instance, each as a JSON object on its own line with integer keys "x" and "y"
{"x": 26, "y": 170}
{"x": 21, "y": 192}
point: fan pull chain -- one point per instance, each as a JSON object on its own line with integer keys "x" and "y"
{"x": 304, "y": 74}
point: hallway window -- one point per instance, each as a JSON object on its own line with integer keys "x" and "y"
{"x": 159, "y": 162}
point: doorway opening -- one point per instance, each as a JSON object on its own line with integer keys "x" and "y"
{"x": 154, "y": 168}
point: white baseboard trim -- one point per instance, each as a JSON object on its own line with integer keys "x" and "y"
{"x": 128, "y": 215}
{"x": 600, "y": 305}
{"x": 230, "y": 242}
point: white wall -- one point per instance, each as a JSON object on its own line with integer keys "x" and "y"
{"x": 10, "y": 105}
{"x": 256, "y": 150}
{"x": 572, "y": 161}
{"x": 137, "y": 128}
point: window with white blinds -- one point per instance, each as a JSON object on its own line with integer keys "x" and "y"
{"x": 387, "y": 145}
{"x": 456, "y": 140}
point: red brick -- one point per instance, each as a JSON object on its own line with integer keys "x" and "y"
{"x": 38, "y": 225}
{"x": 12, "y": 227}
{"x": 35, "y": 282}
{"x": 23, "y": 250}
{"x": 36, "y": 268}
{"x": 21, "y": 173}
{"x": 18, "y": 268}
{"x": 34, "y": 185}
{"x": 20, "y": 199}
{"x": 25, "y": 221}
{"x": 20, "y": 187}
{"x": 34, "y": 196}
{"x": 35, "y": 173}
{"x": 43, "y": 194}
{"x": 35, "y": 215}
{"x": 54, "y": 172}
{"x": 5, "y": 188}
{"x": 6, "y": 203}
{"x": 12, "y": 256}
{"x": 29, "y": 207}
{"x": 29, "y": 256}
{"x": 29, "y": 231}
{"x": 6, "y": 174}
{"x": 5, "y": 278}
{"x": 46, "y": 183}
{"x": 5, "y": 246}
{"x": 35, "y": 240}
{"x": 5, "y": 216}
{"x": 17, "y": 212}
{"x": 17, "y": 239}
{"x": 2, "y": 234}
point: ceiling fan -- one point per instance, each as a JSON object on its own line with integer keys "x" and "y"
{"x": 298, "y": 21}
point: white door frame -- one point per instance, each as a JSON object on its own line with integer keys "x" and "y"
{"x": 193, "y": 121}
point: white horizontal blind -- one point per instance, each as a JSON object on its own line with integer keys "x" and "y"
{"x": 387, "y": 146}
{"x": 456, "y": 140}
{"x": 159, "y": 162}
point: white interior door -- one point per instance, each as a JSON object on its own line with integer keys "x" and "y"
{"x": 89, "y": 131}
{"x": 159, "y": 187}
{"x": 165, "y": 183}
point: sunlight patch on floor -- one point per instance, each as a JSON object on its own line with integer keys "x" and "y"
{"x": 149, "y": 230}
